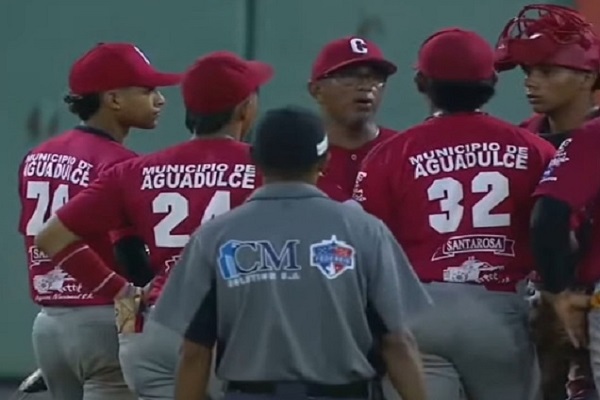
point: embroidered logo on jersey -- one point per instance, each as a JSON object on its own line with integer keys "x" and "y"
{"x": 243, "y": 262}
{"x": 482, "y": 155}
{"x": 170, "y": 263}
{"x": 498, "y": 244}
{"x": 37, "y": 256}
{"x": 332, "y": 257}
{"x": 474, "y": 271}
{"x": 559, "y": 158}
{"x": 358, "y": 193}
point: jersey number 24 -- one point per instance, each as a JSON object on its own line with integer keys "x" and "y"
{"x": 177, "y": 208}
{"x": 450, "y": 193}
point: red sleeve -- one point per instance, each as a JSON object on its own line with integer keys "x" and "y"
{"x": 97, "y": 209}
{"x": 573, "y": 175}
{"x": 115, "y": 236}
{"x": 371, "y": 189}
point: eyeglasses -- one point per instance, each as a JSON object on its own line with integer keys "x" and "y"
{"x": 352, "y": 79}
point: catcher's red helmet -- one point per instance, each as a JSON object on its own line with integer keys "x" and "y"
{"x": 548, "y": 34}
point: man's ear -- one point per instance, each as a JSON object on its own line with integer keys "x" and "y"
{"x": 421, "y": 82}
{"x": 315, "y": 90}
{"x": 111, "y": 99}
{"x": 241, "y": 110}
{"x": 591, "y": 80}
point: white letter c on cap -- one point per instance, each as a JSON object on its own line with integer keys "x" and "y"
{"x": 359, "y": 46}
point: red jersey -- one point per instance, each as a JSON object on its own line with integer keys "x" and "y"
{"x": 456, "y": 192}
{"x": 50, "y": 175}
{"x": 344, "y": 164}
{"x": 540, "y": 124}
{"x": 165, "y": 196}
{"x": 573, "y": 176}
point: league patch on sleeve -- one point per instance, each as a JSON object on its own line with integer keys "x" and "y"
{"x": 560, "y": 158}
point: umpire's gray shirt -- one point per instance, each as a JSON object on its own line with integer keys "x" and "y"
{"x": 293, "y": 272}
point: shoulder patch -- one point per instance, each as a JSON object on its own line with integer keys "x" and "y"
{"x": 332, "y": 257}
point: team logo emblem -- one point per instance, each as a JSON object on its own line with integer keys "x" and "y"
{"x": 358, "y": 46}
{"x": 332, "y": 257}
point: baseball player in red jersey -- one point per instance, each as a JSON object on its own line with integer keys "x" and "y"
{"x": 166, "y": 195}
{"x": 571, "y": 182}
{"x": 560, "y": 55}
{"x": 456, "y": 192}
{"x": 113, "y": 88}
{"x": 347, "y": 81}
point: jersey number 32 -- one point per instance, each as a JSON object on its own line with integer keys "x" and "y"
{"x": 177, "y": 208}
{"x": 450, "y": 193}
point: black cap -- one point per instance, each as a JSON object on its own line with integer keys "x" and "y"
{"x": 289, "y": 138}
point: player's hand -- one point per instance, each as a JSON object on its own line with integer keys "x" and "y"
{"x": 571, "y": 309}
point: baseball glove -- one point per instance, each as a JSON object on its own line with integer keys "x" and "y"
{"x": 557, "y": 355}
{"x": 129, "y": 312}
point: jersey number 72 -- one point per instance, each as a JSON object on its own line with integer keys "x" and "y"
{"x": 177, "y": 208}
{"x": 450, "y": 193}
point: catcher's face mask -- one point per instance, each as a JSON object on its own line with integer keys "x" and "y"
{"x": 548, "y": 35}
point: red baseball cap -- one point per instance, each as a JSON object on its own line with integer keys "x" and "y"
{"x": 221, "y": 80}
{"x": 111, "y": 66}
{"x": 455, "y": 54}
{"x": 349, "y": 50}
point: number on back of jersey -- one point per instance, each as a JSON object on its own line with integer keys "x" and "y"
{"x": 47, "y": 203}
{"x": 450, "y": 193}
{"x": 177, "y": 210}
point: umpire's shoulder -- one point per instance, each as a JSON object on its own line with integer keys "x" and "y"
{"x": 354, "y": 217}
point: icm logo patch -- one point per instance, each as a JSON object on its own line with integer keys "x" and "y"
{"x": 243, "y": 262}
{"x": 332, "y": 257}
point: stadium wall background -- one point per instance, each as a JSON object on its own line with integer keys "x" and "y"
{"x": 40, "y": 39}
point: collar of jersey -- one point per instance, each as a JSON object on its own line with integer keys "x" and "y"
{"x": 94, "y": 131}
{"x": 440, "y": 113}
{"x": 286, "y": 190}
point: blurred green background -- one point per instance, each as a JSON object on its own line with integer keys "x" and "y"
{"x": 39, "y": 39}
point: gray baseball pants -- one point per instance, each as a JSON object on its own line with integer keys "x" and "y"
{"x": 77, "y": 350}
{"x": 243, "y": 396}
{"x": 475, "y": 343}
{"x": 149, "y": 360}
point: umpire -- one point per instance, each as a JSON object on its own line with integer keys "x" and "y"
{"x": 282, "y": 283}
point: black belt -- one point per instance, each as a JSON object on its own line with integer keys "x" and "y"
{"x": 351, "y": 390}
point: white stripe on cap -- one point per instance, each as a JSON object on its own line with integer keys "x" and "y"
{"x": 322, "y": 146}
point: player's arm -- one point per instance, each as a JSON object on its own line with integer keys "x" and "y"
{"x": 189, "y": 285}
{"x": 196, "y": 353}
{"x": 96, "y": 210}
{"x": 570, "y": 182}
{"x": 191, "y": 382}
{"x": 393, "y": 292}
